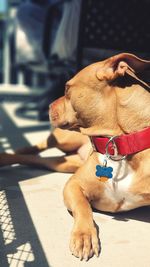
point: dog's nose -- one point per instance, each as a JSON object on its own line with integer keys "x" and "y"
{"x": 52, "y": 107}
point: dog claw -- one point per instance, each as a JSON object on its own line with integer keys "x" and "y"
{"x": 91, "y": 253}
{"x": 96, "y": 251}
{"x": 80, "y": 256}
{"x": 86, "y": 258}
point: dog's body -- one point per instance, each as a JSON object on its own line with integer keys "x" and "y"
{"x": 107, "y": 99}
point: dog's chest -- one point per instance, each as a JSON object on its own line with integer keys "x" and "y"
{"x": 117, "y": 189}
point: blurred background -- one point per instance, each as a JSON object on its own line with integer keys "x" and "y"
{"x": 43, "y": 43}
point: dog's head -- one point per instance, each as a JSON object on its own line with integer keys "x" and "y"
{"x": 106, "y": 98}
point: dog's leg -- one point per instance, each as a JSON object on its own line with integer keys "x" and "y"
{"x": 84, "y": 241}
{"x": 65, "y": 140}
{"x": 61, "y": 164}
{"x": 67, "y": 164}
{"x": 33, "y": 149}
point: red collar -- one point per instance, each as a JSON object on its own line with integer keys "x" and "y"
{"x": 122, "y": 145}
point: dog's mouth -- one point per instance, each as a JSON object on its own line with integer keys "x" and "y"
{"x": 69, "y": 126}
{"x": 63, "y": 121}
{"x": 57, "y": 122}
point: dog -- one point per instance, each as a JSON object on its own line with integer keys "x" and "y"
{"x": 105, "y": 100}
{"x": 109, "y": 102}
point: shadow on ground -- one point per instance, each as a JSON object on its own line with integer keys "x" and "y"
{"x": 140, "y": 214}
{"x": 19, "y": 240}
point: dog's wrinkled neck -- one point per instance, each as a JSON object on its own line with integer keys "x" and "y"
{"x": 133, "y": 108}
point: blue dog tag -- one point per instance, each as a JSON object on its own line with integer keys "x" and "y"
{"x": 104, "y": 171}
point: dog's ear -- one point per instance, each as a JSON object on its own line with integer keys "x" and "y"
{"x": 120, "y": 65}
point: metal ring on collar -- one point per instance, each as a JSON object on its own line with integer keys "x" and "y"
{"x": 116, "y": 156}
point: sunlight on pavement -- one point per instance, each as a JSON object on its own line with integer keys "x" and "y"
{"x": 23, "y": 253}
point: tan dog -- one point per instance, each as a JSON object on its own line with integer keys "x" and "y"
{"x": 110, "y": 102}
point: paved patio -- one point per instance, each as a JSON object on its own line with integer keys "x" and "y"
{"x": 35, "y": 225}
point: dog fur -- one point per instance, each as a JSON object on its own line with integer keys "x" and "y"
{"x": 107, "y": 98}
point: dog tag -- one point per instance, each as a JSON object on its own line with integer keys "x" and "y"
{"x": 103, "y": 172}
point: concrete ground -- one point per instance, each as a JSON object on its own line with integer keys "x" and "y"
{"x": 35, "y": 225}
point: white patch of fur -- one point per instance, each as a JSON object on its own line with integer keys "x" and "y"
{"x": 117, "y": 188}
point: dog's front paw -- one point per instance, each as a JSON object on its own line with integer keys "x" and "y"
{"x": 84, "y": 243}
